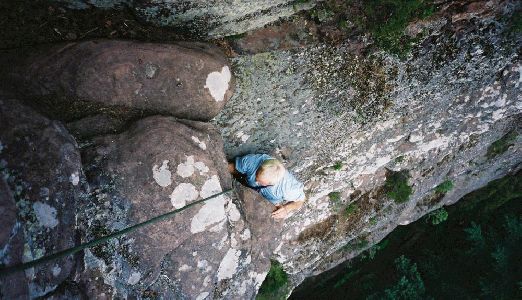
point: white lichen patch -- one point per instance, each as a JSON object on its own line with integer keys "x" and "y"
{"x": 56, "y": 270}
{"x": 134, "y": 278}
{"x": 206, "y": 281}
{"x": 258, "y": 278}
{"x": 150, "y": 70}
{"x": 204, "y": 266}
{"x": 233, "y": 241}
{"x": 201, "y": 144}
{"x": 186, "y": 169}
{"x": 242, "y": 136}
{"x": 227, "y": 267}
{"x": 441, "y": 142}
{"x": 74, "y": 178}
{"x": 185, "y": 268}
{"x": 245, "y": 235}
{"x": 233, "y": 213}
{"x": 183, "y": 193}
{"x": 217, "y": 83}
{"x": 213, "y": 211}
{"x": 221, "y": 243}
{"x": 45, "y": 214}
{"x": 202, "y": 296}
{"x": 201, "y": 167}
{"x": 162, "y": 174}
{"x": 218, "y": 227}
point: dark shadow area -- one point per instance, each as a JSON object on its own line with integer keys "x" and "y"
{"x": 470, "y": 250}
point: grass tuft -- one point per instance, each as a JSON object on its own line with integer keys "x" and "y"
{"x": 502, "y": 145}
{"x": 387, "y": 20}
{"x": 396, "y": 186}
{"x": 444, "y": 187}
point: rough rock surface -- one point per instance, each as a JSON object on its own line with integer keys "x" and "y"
{"x": 346, "y": 123}
{"x": 186, "y": 80}
{"x": 40, "y": 162}
{"x": 205, "y": 19}
{"x": 213, "y": 250}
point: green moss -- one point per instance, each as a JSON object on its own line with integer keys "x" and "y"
{"x": 236, "y": 36}
{"x": 343, "y": 24}
{"x": 399, "y": 159}
{"x": 275, "y": 283}
{"x": 350, "y": 209}
{"x": 437, "y": 216}
{"x": 396, "y": 186}
{"x": 387, "y": 20}
{"x": 444, "y": 187}
{"x": 502, "y": 145}
{"x": 335, "y": 196}
{"x": 338, "y": 166}
{"x": 373, "y": 221}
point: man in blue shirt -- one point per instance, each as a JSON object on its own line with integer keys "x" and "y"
{"x": 269, "y": 177}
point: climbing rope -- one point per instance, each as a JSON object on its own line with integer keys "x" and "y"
{"x": 20, "y": 267}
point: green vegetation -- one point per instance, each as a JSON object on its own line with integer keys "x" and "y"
{"x": 338, "y": 165}
{"x": 342, "y": 24}
{"x": 515, "y": 22}
{"x": 475, "y": 254}
{"x": 387, "y": 20}
{"x": 501, "y": 145}
{"x": 399, "y": 159}
{"x": 236, "y": 36}
{"x": 350, "y": 209}
{"x": 437, "y": 216}
{"x": 322, "y": 14}
{"x": 373, "y": 221}
{"x": 408, "y": 285}
{"x": 344, "y": 279}
{"x": 335, "y": 197}
{"x": 356, "y": 244}
{"x": 444, "y": 187}
{"x": 274, "y": 286}
{"x": 372, "y": 251}
{"x": 396, "y": 186}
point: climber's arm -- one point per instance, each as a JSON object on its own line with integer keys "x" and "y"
{"x": 232, "y": 169}
{"x": 284, "y": 210}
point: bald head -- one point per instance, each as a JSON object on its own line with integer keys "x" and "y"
{"x": 270, "y": 172}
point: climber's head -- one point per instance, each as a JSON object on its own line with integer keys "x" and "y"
{"x": 270, "y": 172}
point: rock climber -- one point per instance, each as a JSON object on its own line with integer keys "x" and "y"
{"x": 270, "y": 178}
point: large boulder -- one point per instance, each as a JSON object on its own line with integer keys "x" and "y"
{"x": 206, "y": 251}
{"x": 40, "y": 164}
{"x": 215, "y": 18}
{"x": 204, "y": 18}
{"x": 74, "y": 80}
{"x": 11, "y": 239}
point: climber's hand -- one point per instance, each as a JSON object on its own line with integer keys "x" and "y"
{"x": 280, "y": 212}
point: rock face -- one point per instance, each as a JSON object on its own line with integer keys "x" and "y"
{"x": 186, "y": 80}
{"x": 371, "y": 136}
{"x": 158, "y": 165}
{"x": 205, "y": 19}
{"x": 353, "y": 127}
{"x": 41, "y": 166}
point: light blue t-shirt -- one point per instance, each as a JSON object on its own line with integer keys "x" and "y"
{"x": 288, "y": 188}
